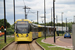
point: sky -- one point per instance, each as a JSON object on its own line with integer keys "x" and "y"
{"x": 65, "y": 6}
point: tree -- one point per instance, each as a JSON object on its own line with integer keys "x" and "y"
{"x": 70, "y": 26}
{"x": 35, "y": 22}
{"x": 2, "y": 24}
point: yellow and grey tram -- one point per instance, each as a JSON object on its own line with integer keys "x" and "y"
{"x": 39, "y": 30}
{"x": 25, "y": 30}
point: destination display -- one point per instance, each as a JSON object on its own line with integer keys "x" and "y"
{"x": 22, "y": 25}
{"x": 22, "y": 22}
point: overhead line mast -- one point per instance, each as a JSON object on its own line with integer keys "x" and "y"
{"x": 54, "y": 18}
{"x": 4, "y": 21}
{"x": 45, "y": 18}
{"x": 25, "y": 9}
{"x": 14, "y": 13}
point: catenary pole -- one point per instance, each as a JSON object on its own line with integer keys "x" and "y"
{"x": 4, "y": 22}
{"x": 14, "y": 13}
{"x": 54, "y": 17}
{"x": 37, "y": 17}
{"x": 25, "y": 12}
{"x": 45, "y": 19}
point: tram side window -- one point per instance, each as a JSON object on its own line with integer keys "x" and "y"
{"x": 40, "y": 29}
{"x": 30, "y": 28}
{"x": 43, "y": 29}
{"x": 34, "y": 29}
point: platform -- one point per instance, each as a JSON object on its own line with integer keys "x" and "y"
{"x": 60, "y": 41}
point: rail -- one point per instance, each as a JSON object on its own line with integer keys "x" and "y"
{"x": 23, "y": 46}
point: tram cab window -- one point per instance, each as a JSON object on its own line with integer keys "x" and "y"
{"x": 22, "y": 27}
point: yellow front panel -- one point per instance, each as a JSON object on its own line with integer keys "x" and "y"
{"x": 39, "y": 34}
{"x": 22, "y": 37}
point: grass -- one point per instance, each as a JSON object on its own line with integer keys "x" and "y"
{"x": 2, "y": 37}
{"x": 9, "y": 40}
{"x": 44, "y": 45}
{"x": 59, "y": 34}
{"x": 58, "y": 48}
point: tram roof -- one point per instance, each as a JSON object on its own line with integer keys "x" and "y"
{"x": 23, "y": 20}
{"x": 37, "y": 25}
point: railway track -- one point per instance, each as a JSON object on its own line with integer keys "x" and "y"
{"x": 23, "y": 46}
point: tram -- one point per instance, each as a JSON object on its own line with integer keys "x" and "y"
{"x": 25, "y": 30}
{"x": 40, "y": 30}
{"x": 22, "y": 30}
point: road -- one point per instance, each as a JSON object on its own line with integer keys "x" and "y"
{"x": 66, "y": 40}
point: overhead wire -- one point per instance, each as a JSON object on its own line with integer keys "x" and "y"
{"x": 29, "y": 9}
{"x": 33, "y": 12}
{"x": 25, "y": 5}
{"x": 24, "y": 2}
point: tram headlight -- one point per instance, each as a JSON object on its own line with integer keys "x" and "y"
{"x": 17, "y": 35}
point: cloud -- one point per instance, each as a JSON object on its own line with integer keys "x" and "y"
{"x": 65, "y": 2}
{"x": 65, "y": 6}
